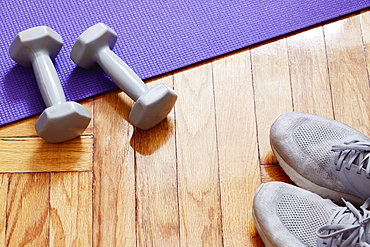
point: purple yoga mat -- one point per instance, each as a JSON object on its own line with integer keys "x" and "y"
{"x": 154, "y": 37}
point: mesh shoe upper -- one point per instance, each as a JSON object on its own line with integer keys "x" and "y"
{"x": 351, "y": 165}
{"x": 348, "y": 226}
{"x": 303, "y": 145}
{"x": 317, "y": 139}
{"x": 303, "y": 216}
{"x": 287, "y": 216}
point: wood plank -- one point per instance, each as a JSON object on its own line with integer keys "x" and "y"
{"x": 28, "y": 210}
{"x": 271, "y": 173}
{"x": 4, "y": 185}
{"x": 199, "y": 192}
{"x": 271, "y": 81}
{"x": 70, "y": 209}
{"x": 348, "y": 73}
{"x": 114, "y": 173}
{"x": 237, "y": 147}
{"x": 156, "y": 182}
{"x": 37, "y": 155}
{"x": 309, "y": 73}
{"x": 27, "y": 127}
{"x": 365, "y": 30}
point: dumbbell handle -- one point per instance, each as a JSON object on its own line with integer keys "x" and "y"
{"x": 124, "y": 77}
{"x": 48, "y": 80}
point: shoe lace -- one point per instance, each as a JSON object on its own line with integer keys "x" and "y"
{"x": 350, "y": 153}
{"x": 346, "y": 226}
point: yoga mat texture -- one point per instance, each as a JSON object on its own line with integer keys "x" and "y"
{"x": 154, "y": 37}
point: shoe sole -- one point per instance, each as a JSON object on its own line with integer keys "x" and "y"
{"x": 262, "y": 234}
{"x": 304, "y": 183}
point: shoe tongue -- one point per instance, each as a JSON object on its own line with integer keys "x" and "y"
{"x": 352, "y": 150}
{"x": 358, "y": 160}
{"x": 350, "y": 219}
{"x": 367, "y": 233}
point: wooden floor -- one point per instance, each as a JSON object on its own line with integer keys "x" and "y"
{"x": 191, "y": 180}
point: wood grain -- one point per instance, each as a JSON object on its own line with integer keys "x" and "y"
{"x": 28, "y": 210}
{"x": 4, "y": 185}
{"x": 199, "y": 192}
{"x": 365, "y": 31}
{"x": 156, "y": 182}
{"x": 237, "y": 147}
{"x": 114, "y": 221}
{"x": 70, "y": 209}
{"x": 190, "y": 181}
{"x": 309, "y": 75}
{"x": 271, "y": 173}
{"x": 348, "y": 73}
{"x": 272, "y": 88}
{"x": 36, "y": 155}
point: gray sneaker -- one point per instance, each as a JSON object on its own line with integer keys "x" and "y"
{"x": 323, "y": 155}
{"x": 289, "y": 216}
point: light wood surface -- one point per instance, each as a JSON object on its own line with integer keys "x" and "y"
{"x": 189, "y": 181}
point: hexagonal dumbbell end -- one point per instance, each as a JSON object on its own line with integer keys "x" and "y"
{"x": 29, "y": 41}
{"x": 61, "y": 121}
{"x": 152, "y": 105}
{"x": 90, "y": 42}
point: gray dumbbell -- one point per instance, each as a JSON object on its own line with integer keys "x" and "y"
{"x": 60, "y": 121}
{"x": 151, "y": 105}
